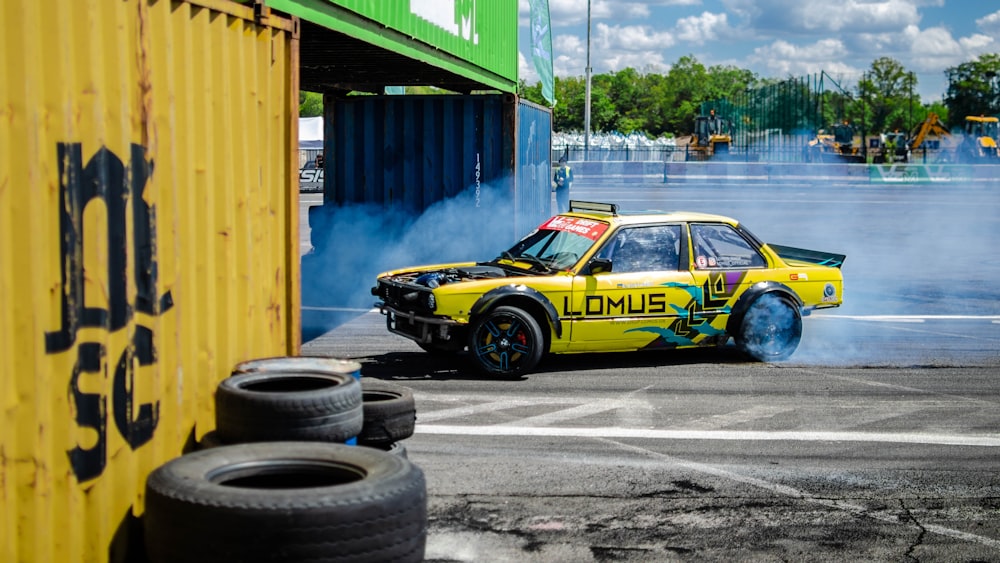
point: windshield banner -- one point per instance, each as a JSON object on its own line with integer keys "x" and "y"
{"x": 584, "y": 227}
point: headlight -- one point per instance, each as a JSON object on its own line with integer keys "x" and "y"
{"x": 431, "y": 302}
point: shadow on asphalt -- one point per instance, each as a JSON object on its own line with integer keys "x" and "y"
{"x": 404, "y": 366}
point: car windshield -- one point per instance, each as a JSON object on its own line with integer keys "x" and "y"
{"x": 558, "y": 244}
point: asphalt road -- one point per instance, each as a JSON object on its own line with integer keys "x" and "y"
{"x": 878, "y": 441}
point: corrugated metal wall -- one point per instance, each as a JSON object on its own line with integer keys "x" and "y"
{"x": 148, "y": 242}
{"x": 472, "y": 39}
{"x": 410, "y": 152}
{"x": 483, "y": 32}
{"x": 533, "y": 169}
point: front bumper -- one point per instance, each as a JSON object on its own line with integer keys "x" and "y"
{"x": 422, "y": 329}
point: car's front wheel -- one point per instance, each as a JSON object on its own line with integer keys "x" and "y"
{"x": 771, "y": 329}
{"x": 506, "y": 341}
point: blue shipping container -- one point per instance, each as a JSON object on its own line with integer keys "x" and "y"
{"x": 421, "y": 179}
{"x": 406, "y": 153}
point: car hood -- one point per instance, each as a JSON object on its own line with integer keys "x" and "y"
{"x": 443, "y": 274}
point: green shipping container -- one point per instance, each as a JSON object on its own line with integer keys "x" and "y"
{"x": 462, "y": 45}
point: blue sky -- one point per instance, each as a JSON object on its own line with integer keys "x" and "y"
{"x": 774, "y": 38}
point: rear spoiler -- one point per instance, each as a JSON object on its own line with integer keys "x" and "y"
{"x": 813, "y": 256}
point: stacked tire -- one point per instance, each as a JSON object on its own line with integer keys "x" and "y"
{"x": 389, "y": 415}
{"x": 277, "y": 480}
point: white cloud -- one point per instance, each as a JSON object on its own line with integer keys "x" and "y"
{"x": 935, "y": 49}
{"x": 630, "y": 38}
{"x": 564, "y": 13}
{"x": 704, "y": 28}
{"x": 990, "y": 24}
{"x": 648, "y": 61}
{"x": 526, "y": 70}
{"x": 808, "y": 16}
{"x": 782, "y": 59}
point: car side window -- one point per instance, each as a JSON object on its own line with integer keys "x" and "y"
{"x": 644, "y": 249}
{"x": 720, "y": 246}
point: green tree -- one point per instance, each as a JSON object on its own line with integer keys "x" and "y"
{"x": 687, "y": 88}
{"x": 888, "y": 94}
{"x": 532, "y": 93}
{"x": 623, "y": 90}
{"x": 973, "y": 88}
{"x": 310, "y": 104}
{"x": 567, "y": 115}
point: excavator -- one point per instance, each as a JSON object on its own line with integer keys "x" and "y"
{"x": 979, "y": 144}
{"x": 711, "y": 139}
{"x": 930, "y": 141}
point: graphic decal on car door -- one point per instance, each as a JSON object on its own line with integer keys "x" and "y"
{"x": 696, "y": 321}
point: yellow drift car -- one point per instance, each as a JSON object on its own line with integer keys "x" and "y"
{"x": 597, "y": 279}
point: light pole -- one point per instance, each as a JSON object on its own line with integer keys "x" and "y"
{"x": 586, "y": 109}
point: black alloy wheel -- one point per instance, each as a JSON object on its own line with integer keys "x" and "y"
{"x": 506, "y": 341}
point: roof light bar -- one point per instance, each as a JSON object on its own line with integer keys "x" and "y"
{"x": 611, "y": 208}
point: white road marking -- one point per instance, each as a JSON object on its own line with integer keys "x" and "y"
{"x": 335, "y": 309}
{"x": 882, "y": 516}
{"x": 907, "y": 318}
{"x": 733, "y": 435}
{"x": 476, "y": 409}
{"x": 578, "y": 411}
{"x": 736, "y": 417}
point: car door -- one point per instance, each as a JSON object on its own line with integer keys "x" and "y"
{"x": 641, "y": 302}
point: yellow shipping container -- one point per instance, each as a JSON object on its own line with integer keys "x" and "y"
{"x": 148, "y": 243}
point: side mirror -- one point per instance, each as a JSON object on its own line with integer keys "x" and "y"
{"x": 598, "y": 266}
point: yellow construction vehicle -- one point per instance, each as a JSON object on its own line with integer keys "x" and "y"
{"x": 842, "y": 145}
{"x": 980, "y": 143}
{"x": 711, "y": 139}
{"x": 931, "y": 142}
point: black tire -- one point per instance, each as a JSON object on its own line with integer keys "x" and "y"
{"x": 395, "y": 448}
{"x": 506, "y": 341}
{"x": 295, "y": 364}
{"x": 310, "y": 406}
{"x": 771, "y": 329}
{"x": 286, "y": 501}
{"x": 211, "y": 439}
{"x": 390, "y": 413}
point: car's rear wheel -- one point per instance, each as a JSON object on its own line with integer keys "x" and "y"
{"x": 506, "y": 341}
{"x": 771, "y": 329}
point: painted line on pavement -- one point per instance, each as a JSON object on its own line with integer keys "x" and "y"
{"x": 732, "y": 435}
{"x": 908, "y": 318}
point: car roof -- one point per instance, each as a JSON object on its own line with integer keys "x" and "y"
{"x": 609, "y": 212}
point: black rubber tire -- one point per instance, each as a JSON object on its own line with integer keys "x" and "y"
{"x": 286, "y": 501}
{"x": 295, "y": 364}
{"x": 771, "y": 329}
{"x": 506, "y": 341}
{"x": 390, "y": 412}
{"x": 268, "y": 406}
{"x": 211, "y": 439}
{"x": 395, "y": 448}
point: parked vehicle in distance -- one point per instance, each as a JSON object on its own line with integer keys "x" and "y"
{"x": 711, "y": 139}
{"x": 841, "y": 144}
{"x": 981, "y": 144}
{"x": 599, "y": 279}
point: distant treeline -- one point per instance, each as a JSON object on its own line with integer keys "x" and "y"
{"x": 884, "y": 99}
